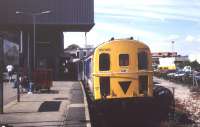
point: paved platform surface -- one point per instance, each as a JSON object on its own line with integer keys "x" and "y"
{"x": 10, "y": 93}
{"x": 64, "y": 106}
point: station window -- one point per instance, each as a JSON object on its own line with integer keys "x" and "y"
{"x": 142, "y": 60}
{"x": 84, "y": 53}
{"x": 123, "y": 60}
{"x": 104, "y": 62}
{"x": 77, "y": 54}
{"x": 143, "y": 84}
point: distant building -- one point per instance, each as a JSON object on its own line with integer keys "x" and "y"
{"x": 170, "y": 59}
{"x": 181, "y": 59}
{"x": 84, "y": 52}
{"x": 167, "y": 63}
{"x": 76, "y": 53}
{"x": 163, "y": 54}
{"x": 71, "y": 55}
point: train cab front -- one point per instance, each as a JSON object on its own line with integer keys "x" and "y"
{"x": 122, "y": 78}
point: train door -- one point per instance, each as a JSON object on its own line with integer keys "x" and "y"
{"x": 145, "y": 79}
{"x": 104, "y": 81}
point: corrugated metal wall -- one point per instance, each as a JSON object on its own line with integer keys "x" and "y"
{"x": 64, "y": 12}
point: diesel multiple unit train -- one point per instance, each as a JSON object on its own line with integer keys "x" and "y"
{"x": 118, "y": 78}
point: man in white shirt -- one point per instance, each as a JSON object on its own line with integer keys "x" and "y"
{"x": 10, "y": 71}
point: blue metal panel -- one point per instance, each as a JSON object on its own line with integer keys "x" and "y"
{"x": 88, "y": 69}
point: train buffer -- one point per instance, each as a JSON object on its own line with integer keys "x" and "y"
{"x": 64, "y": 105}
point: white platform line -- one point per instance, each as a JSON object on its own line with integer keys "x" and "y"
{"x": 87, "y": 115}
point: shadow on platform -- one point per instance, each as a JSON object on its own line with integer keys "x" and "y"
{"x": 49, "y": 106}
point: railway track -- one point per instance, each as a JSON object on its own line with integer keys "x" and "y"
{"x": 187, "y": 103}
{"x": 115, "y": 119}
{"x": 118, "y": 120}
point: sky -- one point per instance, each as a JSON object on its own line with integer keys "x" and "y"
{"x": 154, "y": 22}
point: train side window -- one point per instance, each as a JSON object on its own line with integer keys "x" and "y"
{"x": 142, "y": 60}
{"x": 123, "y": 59}
{"x": 104, "y": 62}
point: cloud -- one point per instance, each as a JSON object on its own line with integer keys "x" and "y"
{"x": 160, "y": 47}
{"x": 156, "y": 9}
{"x": 195, "y": 56}
{"x": 74, "y": 38}
{"x": 190, "y": 38}
{"x": 123, "y": 29}
{"x": 104, "y": 31}
{"x": 155, "y": 22}
{"x": 132, "y": 2}
{"x": 173, "y": 37}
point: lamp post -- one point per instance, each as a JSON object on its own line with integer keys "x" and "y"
{"x": 1, "y": 75}
{"x": 85, "y": 39}
{"x": 173, "y": 46}
{"x": 34, "y": 15}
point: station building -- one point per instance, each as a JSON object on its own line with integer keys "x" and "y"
{"x": 35, "y": 28}
{"x": 71, "y": 60}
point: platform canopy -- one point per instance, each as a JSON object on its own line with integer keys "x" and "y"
{"x": 62, "y": 15}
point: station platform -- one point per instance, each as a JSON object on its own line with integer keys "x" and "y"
{"x": 64, "y": 105}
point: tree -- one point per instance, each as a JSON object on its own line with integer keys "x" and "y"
{"x": 195, "y": 65}
{"x": 183, "y": 64}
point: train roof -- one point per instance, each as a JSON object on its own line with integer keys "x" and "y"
{"x": 121, "y": 39}
{"x": 131, "y": 39}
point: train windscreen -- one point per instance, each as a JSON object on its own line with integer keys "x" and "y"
{"x": 104, "y": 62}
{"x": 123, "y": 60}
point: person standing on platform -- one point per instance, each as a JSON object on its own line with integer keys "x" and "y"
{"x": 10, "y": 71}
